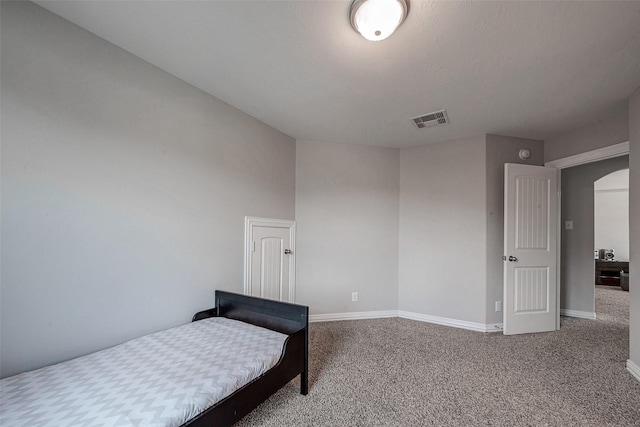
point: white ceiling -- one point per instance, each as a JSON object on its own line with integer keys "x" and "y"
{"x": 527, "y": 69}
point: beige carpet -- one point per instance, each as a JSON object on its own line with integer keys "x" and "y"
{"x": 398, "y": 372}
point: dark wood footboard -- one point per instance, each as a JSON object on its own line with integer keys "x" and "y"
{"x": 290, "y": 319}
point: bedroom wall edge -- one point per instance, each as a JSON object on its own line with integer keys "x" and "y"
{"x": 633, "y": 369}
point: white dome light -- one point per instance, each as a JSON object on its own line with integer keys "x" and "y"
{"x": 377, "y": 19}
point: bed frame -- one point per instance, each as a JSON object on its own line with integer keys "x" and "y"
{"x": 290, "y": 319}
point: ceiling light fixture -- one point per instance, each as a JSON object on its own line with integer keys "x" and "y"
{"x": 377, "y": 19}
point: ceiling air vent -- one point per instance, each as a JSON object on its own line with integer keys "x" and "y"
{"x": 431, "y": 119}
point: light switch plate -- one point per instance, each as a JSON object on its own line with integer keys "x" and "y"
{"x": 568, "y": 225}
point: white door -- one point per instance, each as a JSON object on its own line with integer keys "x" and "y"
{"x": 530, "y": 227}
{"x": 270, "y": 258}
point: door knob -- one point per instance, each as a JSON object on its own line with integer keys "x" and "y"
{"x": 513, "y": 259}
{"x": 287, "y": 251}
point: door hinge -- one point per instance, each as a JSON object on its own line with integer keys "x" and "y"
{"x": 253, "y": 246}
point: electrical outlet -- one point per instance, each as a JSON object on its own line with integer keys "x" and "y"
{"x": 354, "y": 296}
{"x": 498, "y": 305}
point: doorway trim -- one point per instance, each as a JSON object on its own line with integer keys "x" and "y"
{"x": 604, "y": 153}
{"x": 250, "y": 223}
{"x": 609, "y": 152}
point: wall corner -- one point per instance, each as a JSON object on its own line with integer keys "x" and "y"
{"x": 634, "y": 227}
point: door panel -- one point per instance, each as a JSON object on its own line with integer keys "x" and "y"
{"x": 530, "y": 288}
{"x": 271, "y": 267}
{"x": 531, "y": 292}
{"x": 532, "y": 198}
{"x": 272, "y": 263}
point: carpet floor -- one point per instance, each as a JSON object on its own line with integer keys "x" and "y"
{"x": 400, "y": 372}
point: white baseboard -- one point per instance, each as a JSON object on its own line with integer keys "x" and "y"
{"x": 479, "y": 327}
{"x": 578, "y": 313}
{"x": 332, "y": 317}
{"x": 634, "y": 369}
{"x": 463, "y": 324}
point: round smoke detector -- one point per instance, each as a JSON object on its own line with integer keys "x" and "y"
{"x": 524, "y": 154}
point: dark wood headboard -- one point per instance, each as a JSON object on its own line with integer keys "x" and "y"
{"x": 275, "y": 315}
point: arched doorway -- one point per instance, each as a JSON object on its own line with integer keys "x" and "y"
{"x": 611, "y": 243}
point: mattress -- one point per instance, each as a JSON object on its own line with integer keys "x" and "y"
{"x": 162, "y": 379}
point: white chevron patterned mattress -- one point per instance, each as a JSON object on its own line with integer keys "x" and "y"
{"x": 162, "y": 379}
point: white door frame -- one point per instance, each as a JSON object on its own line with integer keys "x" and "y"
{"x": 609, "y": 152}
{"x": 249, "y": 224}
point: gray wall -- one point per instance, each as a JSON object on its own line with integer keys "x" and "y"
{"x": 612, "y": 129}
{"x": 442, "y": 262}
{"x": 347, "y": 227}
{"x": 634, "y": 227}
{"x": 124, "y": 192}
{"x": 451, "y": 225}
{"x": 577, "y": 290}
{"x": 501, "y": 150}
